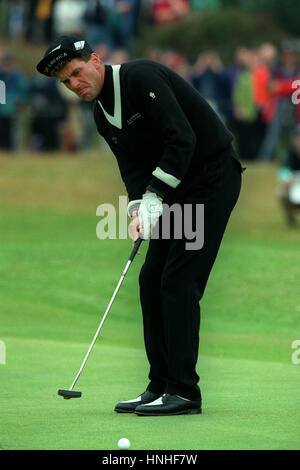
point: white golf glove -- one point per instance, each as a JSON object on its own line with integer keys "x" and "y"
{"x": 133, "y": 206}
{"x": 149, "y": 212}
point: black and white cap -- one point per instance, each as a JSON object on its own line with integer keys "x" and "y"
{"x": 64, "y": 48}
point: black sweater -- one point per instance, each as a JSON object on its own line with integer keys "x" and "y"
{"x": 155, "y": 121}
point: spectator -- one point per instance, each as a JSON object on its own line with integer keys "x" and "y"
{"x": 234, "y": 69}
{"x": 289, "y": 189}
{"x": 39, "y": 20}
{"x": 47, "y": 110}
{"x": 112, "y": 23}
{"x": 30, "y": 20}
{"x": 177, "y": 62}
{"x": 97, "y": 18}
{"x": 16, "y": 18}
{"x": 128, "y": 12}
{"x": 119, "y": 56}
{"x": 68, "y": 17}
{"x": 154, "y": 54}
{"x": 169, "y": 11}
{"x": 285, "y": 115}
{"x": 103, "y": 51}
{"x": 73, "y": 134}
{"x": 88, "y": 135}
{"x": 16, "y": 88}
{"x": 231, "y": 73}
{"x": 44, "y": 14}
{"x": 209, "y": 79}
{"x": 244, "y": 107}
{"x": 264, "y": 99}
{"x": 145, "y": 16}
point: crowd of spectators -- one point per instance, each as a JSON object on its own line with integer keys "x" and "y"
{"x": 110, "y": 22}
{"x": 252, "y": 95}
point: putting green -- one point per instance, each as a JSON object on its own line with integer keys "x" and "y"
{"x": 56, "y": 279}
{"x": 247, "y": 404}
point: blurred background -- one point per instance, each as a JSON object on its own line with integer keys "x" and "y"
{"x": 242, "y": 56}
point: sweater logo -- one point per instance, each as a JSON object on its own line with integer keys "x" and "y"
{"x": 133, "y": 118}
{"x": 152, "y": 95}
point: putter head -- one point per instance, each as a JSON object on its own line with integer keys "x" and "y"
{"x": 67, "y": 394}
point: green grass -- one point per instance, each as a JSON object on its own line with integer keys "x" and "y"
{"x": 236, "y": 415}
{"x": 56, "y": 279}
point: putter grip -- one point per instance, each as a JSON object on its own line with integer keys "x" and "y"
{"x": 135, "y": 248}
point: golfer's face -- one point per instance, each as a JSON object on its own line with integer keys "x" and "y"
{"x": 83, "y": 78}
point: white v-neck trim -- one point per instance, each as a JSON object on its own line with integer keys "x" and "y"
{"x": 116, "y": 119}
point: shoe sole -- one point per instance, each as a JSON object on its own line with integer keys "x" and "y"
{"x": 118, "y": 410}
{"x": 183, "y": 412}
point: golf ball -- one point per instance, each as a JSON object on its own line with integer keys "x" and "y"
{"x": 124, "y": 443}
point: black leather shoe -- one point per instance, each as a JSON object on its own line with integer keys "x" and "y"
{"x": 130, "y": 405}
{"x": 168, "y": 405}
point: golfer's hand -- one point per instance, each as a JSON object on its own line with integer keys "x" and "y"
{"x": 286, "y": 184}
{"x": 149, "y": 212}
{"x": 134, "y": 229}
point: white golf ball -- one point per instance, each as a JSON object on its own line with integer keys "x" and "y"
{"x": 124, "y": 443}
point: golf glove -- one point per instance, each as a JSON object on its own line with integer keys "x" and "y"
{"x": 149, "y": 212}
{"x": 133, "y": 206}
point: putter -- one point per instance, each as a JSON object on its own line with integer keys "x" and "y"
{"x": 67, "y": 394}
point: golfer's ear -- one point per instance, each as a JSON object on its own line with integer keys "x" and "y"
{"x": 95, "y": 58}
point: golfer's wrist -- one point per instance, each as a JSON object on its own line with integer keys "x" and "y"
{"x": 151, "y": 192}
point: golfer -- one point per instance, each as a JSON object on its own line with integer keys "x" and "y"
{"x": 172, "y": 149}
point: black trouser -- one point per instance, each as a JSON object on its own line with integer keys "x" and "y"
{"x": 173, "y": 280}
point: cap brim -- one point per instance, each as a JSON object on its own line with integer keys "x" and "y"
{"x": 46, "y": 65}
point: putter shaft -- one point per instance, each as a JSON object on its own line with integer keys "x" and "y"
{"x": 133, "y": 253}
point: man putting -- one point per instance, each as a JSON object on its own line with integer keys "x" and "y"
{"x": 171, "y": 148}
